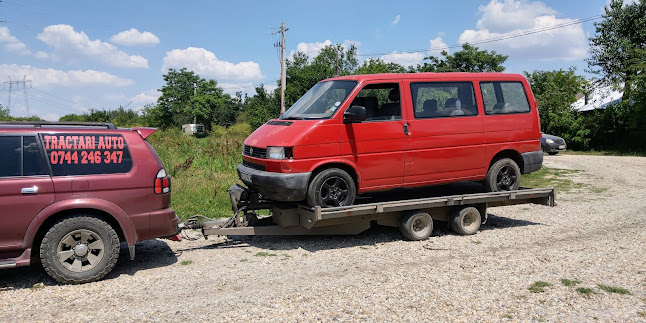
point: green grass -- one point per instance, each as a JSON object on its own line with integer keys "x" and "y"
{"x": 186, "y": 262}
{"x": 638, "y": 153}
{"x": 552, "y": 177}
{"x": 37, "y": 286}
{"x": 265, "y": 254}
{"x": 585, "y": 292}
{"x": 539, "y": 286}
{"x": 202, "y": 169}
{"x": 614, "y": 289}
{"x": 570, "y": 282}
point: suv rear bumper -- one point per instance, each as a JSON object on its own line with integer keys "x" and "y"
{"x": 163, "y": 223}
{"x": 275, "y": 186}
{"x": 532, "y": 161}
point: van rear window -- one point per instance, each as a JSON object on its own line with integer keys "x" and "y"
{"x": 86, "y": 154}
{"x": 504, "y": 97}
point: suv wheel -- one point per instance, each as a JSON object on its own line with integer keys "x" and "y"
{"x": 331, "y": 187}
{"x": 79, "y": 249}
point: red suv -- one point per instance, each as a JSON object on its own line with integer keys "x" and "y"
{"x": 71, "y": 192}
{"x": 354, "y": 134}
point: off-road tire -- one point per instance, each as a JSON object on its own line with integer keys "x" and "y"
{"x": 71, "y": 228}
{"x": 466, "y": 221}
{"x": 331, "y": 187}
{"x": 503, "y": 175}
{"x": 416, "y": 225}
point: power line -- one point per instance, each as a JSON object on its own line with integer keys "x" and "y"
{"x": 494, "y": 39}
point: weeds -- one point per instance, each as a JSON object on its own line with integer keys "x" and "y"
{"x": 585, "y": 292}
{"x": 570, "y": 282}
{"x": 613, "y": 289}
{"x": 265, "y": 254}
{"x": 186, "y": 262}
{"x": 539, "y": 286}
{"x": 37, "y": 286}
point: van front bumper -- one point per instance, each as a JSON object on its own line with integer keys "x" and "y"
{"x": 532, "y": 161}
{"x": 284, "y": 187}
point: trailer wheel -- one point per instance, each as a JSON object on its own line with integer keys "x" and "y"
{"x": 79, "y": 249}
{"x": 503, "y": 175}
{"x": 331, "y": 187}
{"x": 416, "y": 225}
{"x": 466, "y": 221}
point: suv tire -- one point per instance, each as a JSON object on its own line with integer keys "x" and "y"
{"x": 331, "y": 187}
{"x": 79, "y": 249}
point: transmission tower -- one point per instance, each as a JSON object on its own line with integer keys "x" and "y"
{"x": 24, "y": 83}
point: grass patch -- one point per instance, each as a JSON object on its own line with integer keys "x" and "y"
{"x": 570, "y": 282}
{"x": 265, "y": 254}
{"x": 614, "y": 289}
{"x": 476, "y": 241}
{"x": 552, "y": 177}
{"x": 539, "y": 286}
{"x": 37, "y": 286}
{"x": 639, "y": 153}
{"x": 585, "y": 292}
{"x": 186, "y": 262}
{"x": 202, "y": 169}
{"x": 244, "y": 260}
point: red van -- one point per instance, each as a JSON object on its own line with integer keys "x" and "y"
{"x": 71, "y": 192}
{"x": 355, "y": 134}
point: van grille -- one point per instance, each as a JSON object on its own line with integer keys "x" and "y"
{"x": 255, "y": 152}
{"x": 253, "y": 165}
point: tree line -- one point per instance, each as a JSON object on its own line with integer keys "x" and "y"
{"x": 618, "y": 51}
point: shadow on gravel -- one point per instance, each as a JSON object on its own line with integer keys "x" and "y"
{"x": 149, "y": 254}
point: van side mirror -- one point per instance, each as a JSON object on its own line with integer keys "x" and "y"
{"x": 354, "y": 114}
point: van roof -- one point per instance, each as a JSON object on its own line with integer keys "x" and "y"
{"x": 451, "y": 76}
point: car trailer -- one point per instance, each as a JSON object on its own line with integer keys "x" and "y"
{"x": 465, "y": 213}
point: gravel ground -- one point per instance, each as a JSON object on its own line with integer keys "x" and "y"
{"x": 595, "y": 235}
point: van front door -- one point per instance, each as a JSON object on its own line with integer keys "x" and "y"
{"x": 377, "y": 145}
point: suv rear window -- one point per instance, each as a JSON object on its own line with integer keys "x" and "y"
{"x": 87, "y": 154}
{"x": 21, "y": 156}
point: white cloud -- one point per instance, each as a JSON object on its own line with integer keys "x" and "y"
{"x": 206, "y": 64}
{"x": 143, "y": 98}
{"x": 134, "y": 37}
{"x": 405, "y": 59}
{"x": 313, "y": 49}
{"x": 71, "y": 46}
{"x": 75, "y": 78}
{"x": 437, "y": 46}
{"x": 11, "y": 43}
{"x": 397, "y": 18}
{"x": 41, "y": 55}
{"x": 505, "y": 19}
{"x": 51, "y": 117}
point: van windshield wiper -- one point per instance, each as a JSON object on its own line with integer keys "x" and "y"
{"x": 292, "y": 118}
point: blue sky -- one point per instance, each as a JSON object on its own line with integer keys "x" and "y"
{"x": 88, "y": 54}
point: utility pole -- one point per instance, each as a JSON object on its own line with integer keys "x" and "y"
{"x": 24, "y": 91}
{"x": 283, "y": 67}
{"x": 194, "y": 94}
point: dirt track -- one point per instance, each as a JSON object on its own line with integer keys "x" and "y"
{"x": 596, "y": 235}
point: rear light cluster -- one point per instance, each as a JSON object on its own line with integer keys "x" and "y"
{"x": 162, "y": 182}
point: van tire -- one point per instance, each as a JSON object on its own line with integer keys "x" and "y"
{"x": 416, "y": 225}
{"x": 503, "y": 175}
{"x": 330, "y": 188}
{"x": 466, "y": 220}
{"x": 91, "y": 243}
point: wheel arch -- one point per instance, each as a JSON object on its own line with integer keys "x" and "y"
{"x": 337, "y": 164}
{"x": 508, "y": 153}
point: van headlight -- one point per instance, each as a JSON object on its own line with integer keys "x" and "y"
{"x": 279, "y": 153}
{"x": 549, "y": 141}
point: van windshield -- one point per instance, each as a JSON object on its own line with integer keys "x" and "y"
{"x": 321, "y": 101}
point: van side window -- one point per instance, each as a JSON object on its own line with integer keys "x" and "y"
{"x": 381, "y": 101}
{"x": 21, "y": 156}
{"x": 504, "y": 97}
{"x": 443, "y": 99}
{"x": 74, "y": 154}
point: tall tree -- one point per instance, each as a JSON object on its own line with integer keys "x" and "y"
{"x": 260, "y": 107}
{"x": 468, "y": 59}
{"x": 377, "y": 65}
{"x": 555, "y": 92}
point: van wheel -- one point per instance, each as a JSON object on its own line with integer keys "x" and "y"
{"x": 79, "y": 249}
{"x": 416, "y": 225}
{"x": 503, "y": 175}
{"x": 466, "y": 221}
{"x": 331, "y": 187}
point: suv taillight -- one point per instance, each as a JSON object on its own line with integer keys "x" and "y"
{"x": 162, "y": 182}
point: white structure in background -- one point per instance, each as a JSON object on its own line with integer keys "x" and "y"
{"x": 192, "y": 129}
{"x": 600, "y": 98}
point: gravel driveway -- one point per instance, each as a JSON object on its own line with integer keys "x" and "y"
{"x": 596, "y": 235}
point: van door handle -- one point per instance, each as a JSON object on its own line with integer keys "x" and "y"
{"x": 29, "y": 190}
{"x": 406, "y": 129}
